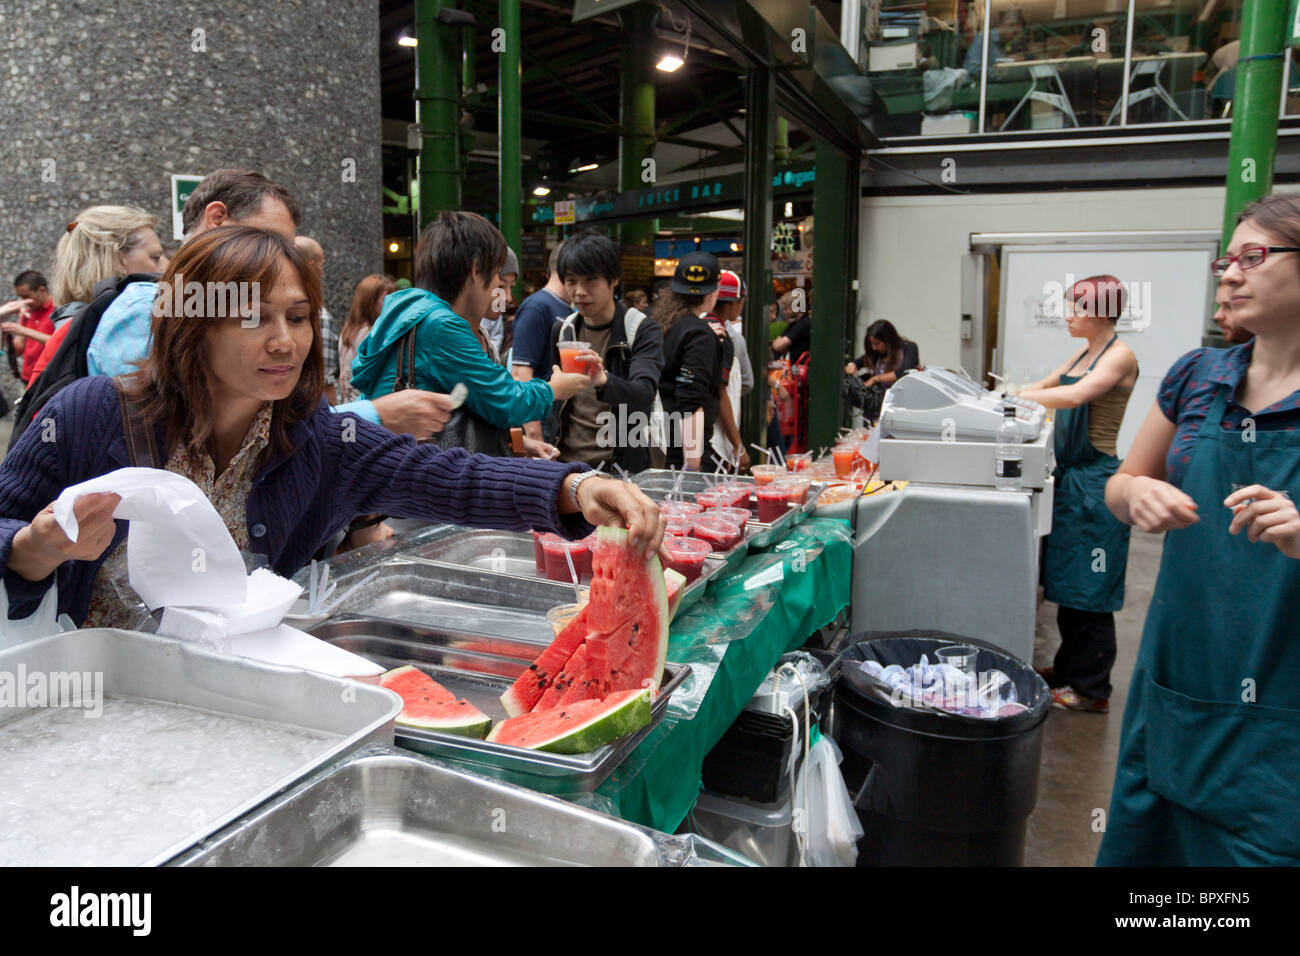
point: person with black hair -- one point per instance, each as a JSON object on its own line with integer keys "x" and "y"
{"x": 624, "y": 359}
{"x": 887, "y": 357}
{"x": 428, "y": 338}
{"x": 34, "y": 325}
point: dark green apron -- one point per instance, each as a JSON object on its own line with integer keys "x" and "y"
{"x": 1087, "y": 551}
{"x": 1207, "y": 776}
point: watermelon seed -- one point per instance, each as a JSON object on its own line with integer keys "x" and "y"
{"x": 532, "y": 667}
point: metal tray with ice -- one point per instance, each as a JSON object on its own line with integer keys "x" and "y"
{"x": 480, "y": 668}
{"x": 384, "y": 808}
{"x": 153, "y": 744}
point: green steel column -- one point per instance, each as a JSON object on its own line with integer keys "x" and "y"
{"x": 835, "y": 195}
{"x": 1253, "y": 146}
{"x": 782, "y": 148}
{"x": 468, "y": 81}
{"x": 510, "y": 169}
{"x": 437, "y": 108}
{"x": 760, "y": 110}
{"x": 636, "y": 114}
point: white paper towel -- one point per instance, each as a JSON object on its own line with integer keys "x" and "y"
{"x": 178, "y": 551}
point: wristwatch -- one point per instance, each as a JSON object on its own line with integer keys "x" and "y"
{"x": 582, "y": 476}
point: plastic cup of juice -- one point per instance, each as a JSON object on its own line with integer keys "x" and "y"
{"x": 560, "y": 616}
{"x": 773, "y": 501}
{"x": 686, "y": 556}
{"x": 569, "y": 361}
{"x": 721, "y": 534}
{"x": 739, "y": 515}
{"x": 798, "y": 461}
{"x": 557, "y": 566}
{"x": 734, "y": 494}
{"x": 844, "y": 455}
{"x": 679, "y": 525}
{"x": 539, "y": 551}
{"x": 679, "y": 509}
{"x": 710, "y": 499}
{"x": 765, "y": 474}
{"x": 798, "y": 485}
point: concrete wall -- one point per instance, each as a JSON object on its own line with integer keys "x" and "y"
{"x": 914, "y": 249}
{"x": 120, "y": 95}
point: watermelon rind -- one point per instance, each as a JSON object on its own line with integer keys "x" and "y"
{"x": 471, "y": 722}
{"x": 674, "y": 587}
{"x": 626, "y": 712}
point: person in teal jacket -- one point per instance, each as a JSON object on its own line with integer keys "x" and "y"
{"x": 434, "y": 330}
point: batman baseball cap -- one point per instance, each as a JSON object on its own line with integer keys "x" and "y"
{"x": 697, "y": 274}
{"x": 731, "y": 286}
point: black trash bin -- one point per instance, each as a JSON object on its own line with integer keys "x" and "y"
{"x": 936, "y": 789}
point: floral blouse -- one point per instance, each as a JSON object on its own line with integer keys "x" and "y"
{"x": 113, "y": 602}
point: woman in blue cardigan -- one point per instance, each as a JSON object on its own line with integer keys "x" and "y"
{"x": 234, "y": 402}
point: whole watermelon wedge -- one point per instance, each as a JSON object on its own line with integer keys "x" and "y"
{"x": 627, "y": 626}
{"x": 579, "y": 727}
{"x": 429, "y": 705}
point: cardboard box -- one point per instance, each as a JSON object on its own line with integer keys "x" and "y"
{"x": 948, "y": 123}
{"x": 893, "y": 56}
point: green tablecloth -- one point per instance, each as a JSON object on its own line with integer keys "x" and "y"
{"x": 732, "y": 637}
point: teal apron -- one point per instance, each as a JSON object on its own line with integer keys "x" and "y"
{"x": 1087, "y": 551}
{"x": 1209, "y": 765}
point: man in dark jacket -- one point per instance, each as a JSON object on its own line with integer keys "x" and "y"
{"x": 624, "y": 357}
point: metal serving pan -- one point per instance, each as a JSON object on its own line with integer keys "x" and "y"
{"x": 657, "y": 482}
{"x": 511, "y": 554}
{"x": 480, "y": 668}
{"x": 187, "y": 741}
{"x": 385, "y": 808}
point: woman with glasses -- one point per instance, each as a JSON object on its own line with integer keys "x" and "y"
{"x": 1209, "y": 761}
{"x": 1087, "y": 551}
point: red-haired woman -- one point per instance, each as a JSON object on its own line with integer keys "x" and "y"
{"x": 1087, "y": 551}
{"x": 367, "y": 301}
{"x": 234, "y": 402}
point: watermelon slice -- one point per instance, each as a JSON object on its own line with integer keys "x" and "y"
{"x": 579, "y": 727}
{"x": 525, "y": 692}
{"x": 429, "y": 705}
{"x": 675, "y": 585}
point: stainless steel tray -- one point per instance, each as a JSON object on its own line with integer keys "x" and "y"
{"x": 123, "y": 795}
{"x": 382, "y": 808}
{"x": 657, "y": 482}
{"x": 419, "y": 591}
{"x": 480, "y": 668}
{"x": 511, "y": 554}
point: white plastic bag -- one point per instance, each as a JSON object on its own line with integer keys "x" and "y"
{"x": 44, "y": 621}
{"x": 831, "y": 829}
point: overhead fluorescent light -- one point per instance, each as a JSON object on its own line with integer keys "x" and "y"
{"x": 407, "y": 41}
{"x": 542, "y": 191}
{"x": 585, "y": 169}
{"x": 670, "y": 63}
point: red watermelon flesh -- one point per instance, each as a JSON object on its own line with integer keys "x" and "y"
{"x": 573, "y": 683}
{"x": 429, "y": 705}
{"x": 525, "y": 692}
{"x": 579, "y": 727}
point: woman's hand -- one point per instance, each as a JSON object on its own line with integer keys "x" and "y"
{"x": 1156, "y": 505}
{"x": 413, "y": 411}
{"x": 604, "y": 501}
{"x": 41, "y": 547}
{"x": 1266, "y": 515}
{"x": 742, "y": 465}
{"x": 565, "y": 385}
{"x": 536, "y": 448}
{"x": 595, "y": 367}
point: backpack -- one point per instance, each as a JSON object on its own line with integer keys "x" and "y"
{"x": 69, "y": 362}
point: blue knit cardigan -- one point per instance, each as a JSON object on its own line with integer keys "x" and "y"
{"x": 341, "y": 466}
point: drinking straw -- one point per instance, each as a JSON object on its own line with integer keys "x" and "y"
{"x": 573, "y": 573}
{"x": 771, "y": 459}
{"x": 677, "y": 484}
{"x": 329, "y": 609}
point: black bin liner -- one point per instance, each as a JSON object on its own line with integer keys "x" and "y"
{"x": 935, "y": 789}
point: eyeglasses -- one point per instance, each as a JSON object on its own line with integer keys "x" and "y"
{"x": 1247, "y": 260}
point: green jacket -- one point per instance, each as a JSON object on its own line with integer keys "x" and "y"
{"x": 446, "y": 353}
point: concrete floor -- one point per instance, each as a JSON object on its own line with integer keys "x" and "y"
{"x": 1080, "y": 750}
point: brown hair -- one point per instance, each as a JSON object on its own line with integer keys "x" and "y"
{"x": 1102, "y": 296}
{"x": 241, "y": 191}
{"x": 1278, "y": 213}
{"x": 671, "y": 306}
{"x": 171, "y": 385}
{"x": 451, "y": 246}
{"x": 365, "y": 306}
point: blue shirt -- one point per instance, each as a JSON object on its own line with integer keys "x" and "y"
{"x": 534, "y": 320}
{"x": 124, "y": 337}
{"x": 1188, "y": 390}
{"x": 975, "y": 53}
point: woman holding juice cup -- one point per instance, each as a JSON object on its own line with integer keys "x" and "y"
{"x": 1208, "y": 759}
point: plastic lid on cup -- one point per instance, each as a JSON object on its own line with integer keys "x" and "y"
{"x": 687, "y": 546}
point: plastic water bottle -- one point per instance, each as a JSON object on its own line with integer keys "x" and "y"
{"x": 1010, "y": 454}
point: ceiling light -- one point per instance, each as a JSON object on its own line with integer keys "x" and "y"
{"x": 407, "y": 41}
{"x": 393, "y": 247}
{"x": 735, "y": 247}
{"x": 789, "y": 210}
{"x": 670, "y": 63}
{"x": 585, "y": 169}
{"x": 542, "y": 191}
